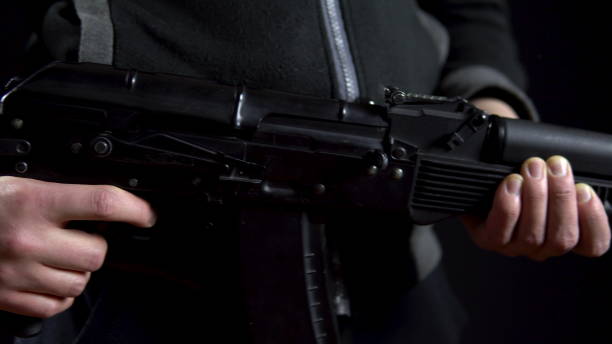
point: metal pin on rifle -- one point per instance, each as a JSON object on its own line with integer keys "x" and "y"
{"x": 397, "y": 173}
{"x": 319, "y": 189}
{"x": 102, "y": 146}
{"x": 372, "y": 170}
{"x": 17, "y": 123}
{"x": 377, "y": 161}
{"x": 21, "y": 167}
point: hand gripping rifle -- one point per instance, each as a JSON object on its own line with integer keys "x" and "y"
{"x": 427, "y": 157}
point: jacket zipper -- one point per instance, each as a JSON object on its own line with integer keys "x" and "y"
{"x": 342, "y": 58}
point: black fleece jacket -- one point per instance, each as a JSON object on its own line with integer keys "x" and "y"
{"x": 284, "y": 45}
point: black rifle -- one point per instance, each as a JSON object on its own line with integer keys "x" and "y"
{"x": 427, "y": 157}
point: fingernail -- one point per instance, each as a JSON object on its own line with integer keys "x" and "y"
{"x": 514, "y": 184}
{"x": 557, "y": 166}
{"x": 535, "y": 168}
{"x": 584, "y": 193}
{"x": 152, "y": 219}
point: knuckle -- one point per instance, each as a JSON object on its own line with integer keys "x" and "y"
{"x": 104, "y": 200}
{"x": 17, "y": 245}
{"x": 47, "y": 310}
{"x": 563, "y": 194}
{"x": 49, "y": 307}
{"x": 76, "y": 286}
{"x": 594, "y": 250}
{"x": 536, "y": 196}
{"x": 599, "y": 249}
{"x": 15, "y": 190}
{"x": 94, "y": 259}
{"x": 564, "y": 243}
{"x": 530, "y": 241}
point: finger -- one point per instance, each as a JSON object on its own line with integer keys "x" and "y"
{"x": 594, "y": 226}
{"x": 40, "y": 279}
{"x": 32, "y": 304}
{"x": 80, "y": 251}
{"x": 68, "y": 202}
{"x": 499, "y": 226}
{"x": 531, "y": 228}
{"x": 56, "y": 247}
{"x": 562, "y": 228}
{"x": 56, "y": 282}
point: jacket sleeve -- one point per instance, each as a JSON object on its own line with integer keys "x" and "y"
{"x": 483, "y": 56}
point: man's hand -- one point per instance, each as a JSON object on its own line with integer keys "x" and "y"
{"x": 540, "y": 213}
{"x": 44, "y": 266}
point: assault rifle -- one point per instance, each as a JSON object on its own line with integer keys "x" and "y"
{"x": 427, "y": 157}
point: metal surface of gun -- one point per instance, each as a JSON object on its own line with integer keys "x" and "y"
{"x": 428, "y": 157}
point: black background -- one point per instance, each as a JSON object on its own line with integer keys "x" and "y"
{"x": 565, "y": 50}
{"x": 564, "y": 300}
